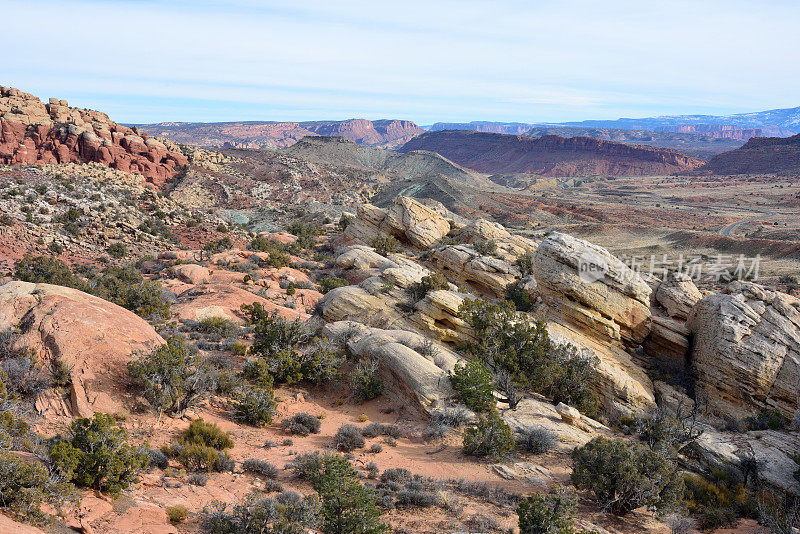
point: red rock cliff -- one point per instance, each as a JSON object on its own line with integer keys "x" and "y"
{"x": 34, "y": 133}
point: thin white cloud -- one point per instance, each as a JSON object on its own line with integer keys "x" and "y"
{"x": 435, "y": 60}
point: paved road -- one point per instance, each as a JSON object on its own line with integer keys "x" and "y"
{"x": 728, "y": 230}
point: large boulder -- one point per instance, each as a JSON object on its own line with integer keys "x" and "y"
{"x": 746, "y": 354}
{"x": 414, "y": 369}
{"x": 407, "y": 219}
{"x": 93, "y": 337}
{"x": 488, "y": 275}
{"x": 590, "y": 289}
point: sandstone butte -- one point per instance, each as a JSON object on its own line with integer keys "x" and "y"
{"x": 34, "y": 133}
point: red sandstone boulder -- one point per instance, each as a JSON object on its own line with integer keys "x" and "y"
{"x": 94, "y": 337}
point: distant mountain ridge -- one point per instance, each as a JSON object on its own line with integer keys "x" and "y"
{"x": 760, "y": 155}
{"x": 267, "y": 134}
{"x": 780, "y": 122}
{"x": 550, "y": 155}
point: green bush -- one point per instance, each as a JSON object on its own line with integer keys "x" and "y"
{"x": 279, "y": 259}
{"x": 767, "y": 419}
{"x": 26, "y": 486}
{"x": 177, "y": 514}
{"x": 348, "y": 438}
{"x": 485, "y": 248}
{"x": 217, "y": 326}
{"x": 117, "y": 250}
{"x": 174, "y": 377}
{"x": 525, "y": 264}
{"x": 548, "y": 513}
{"x": 208, "y": 434}
{"x": 508, "y": 340}
{"x": 126, "y": 287}
{"x": 201, "y": 447}
{"x": 95, "y": 454}
{"x": 347, "y": 506}
{"x": 218, "y": 245}
{"x": 272, "y": 333}
{"x": 306, "y": 234}
{"x": 474, "y": 383}
{"x": 384, "y": 245}
{"x": 255, "y": 406}
{"x": 286, "y": 513}
{"x": 365, "y": 382}
{"x": 260, "y": 467}
{"x": 331, "y": 282}
{"x": 432, "y": 282}
{"x": 516, "y": 293}
{"x": 302, "y": 424}
{"x": 490, "y": 437}
{"x": 623, "y": 476}
{"x": 717, "y": 502}
{"x": 47, "y": 270}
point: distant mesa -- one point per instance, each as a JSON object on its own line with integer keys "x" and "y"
{"x": 550, "y": 155}
{"x": 34, "y": 133}
{"x": 274, "y": 135}
{"x": 760, "y": 155}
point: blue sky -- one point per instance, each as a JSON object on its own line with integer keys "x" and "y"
{"x": 427, "y": 61}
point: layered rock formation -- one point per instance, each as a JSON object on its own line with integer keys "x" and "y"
{"x": 93, "y": 337}
{"x": 407, "y": 220}
{"x": 746, "y": 354}
{"x": 550, "y": 155}
{"x": 759, "y": 155}
{"x": 601, "y": 306}
{"x": 252, "y": 134}
{"x": 34, "y": 133}
{"x": 671, "y": 304}
{"x": 589, "y": 288}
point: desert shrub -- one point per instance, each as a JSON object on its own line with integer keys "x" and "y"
{"x": 23, "y": 376}
{"x": 255, "y": 405}
{"x": 451, "y": 416}
{"x": 306, "y": 234}
{"x": 718, "y": 501}
{"x": 177, "y": 513}
{"x": 288, "y": 351}
{"x": 344, "y": 222}
{"x": 474, "y": 383}
{"x": 537, "y": 440}
{"x": 491, "y": 437}
{"x": 485, "y": 248}
{"x": 548, "y": 513}
{"x": 415, "y": 494}
{"x": 348, "y": 438}
{"x": 373, "y": 430}
{"x": 525, "y": 264}
{"x": 507, "y": 340}
{"x": 302, "y": 424}
{"x": 60, "y": 373}
{"x": 217, "y": 326}
{"x": 768, "y": 419}
{"x": 347, "y": 507}
{"x": 201, "y": 447}
{"x": 218, "y": 245}
{"x": 375, "y": 448}
{"x": 331, "y": 282}
{"x": 278, "y": 259}
{"x": 265, "y": 244}
{"x": 95, "y": 454}
{"x": 126, "y": 287}
{"x": 365, "y": 381}
{"x": 26, "y": 486}
{"x": 208, "y": 434}
{"x": 384, "y": 245}
{"x": 158, "y": 459}
{"x": 286, "y": 513}
{"x": 309, "y": 465}
{"x": 117, "y": 250}
{"x": 431, "y": 282}
{"x": 516, "y": 293}
{"x": 174, "y": 377}
{"x": 260, "y": 467}
{"x": 47, "y": 270}
{"x": 197, "y": 479}
{"x": 622, "y": 476}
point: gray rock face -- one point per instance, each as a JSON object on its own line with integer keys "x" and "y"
{"x": 413, "y": 368}
{"x": 610, "y": 301}
{"x": 746, "y": 354}
{"x": 407, "y": 219}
